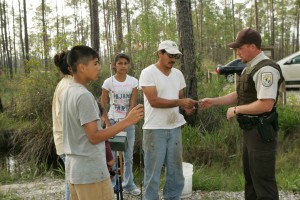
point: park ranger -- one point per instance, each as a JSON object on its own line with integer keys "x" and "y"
{"x": 255, "y": 99}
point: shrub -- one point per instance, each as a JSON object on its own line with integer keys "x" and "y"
{"x": 220, "y": 146}
{"x": 33, "y": 139}
{"x": 289, "y": 120}
{"x": 8, "y": 91}
{"x": 6, "y": 132}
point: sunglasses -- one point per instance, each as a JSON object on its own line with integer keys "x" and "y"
{"x": 176, "y": 56}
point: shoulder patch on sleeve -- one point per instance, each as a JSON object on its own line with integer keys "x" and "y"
{"x": 267, "y": 79}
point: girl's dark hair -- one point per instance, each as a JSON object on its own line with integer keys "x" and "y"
{"x": 80, "y": 54}
{"x": 60, "y": 61}
{"x": 121, "y": 55}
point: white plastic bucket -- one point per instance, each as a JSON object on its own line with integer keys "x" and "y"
{"x": 188, "y": 180}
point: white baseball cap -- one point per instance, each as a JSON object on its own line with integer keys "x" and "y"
{"x": 170, "y": 47}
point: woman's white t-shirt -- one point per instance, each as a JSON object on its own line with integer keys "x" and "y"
{"x": 119, "y": 95}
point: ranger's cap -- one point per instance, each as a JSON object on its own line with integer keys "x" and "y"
{"x": 246, "y": 36}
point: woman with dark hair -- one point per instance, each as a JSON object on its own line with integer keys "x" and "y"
{"x": 120, "y": 92}
{"x": 60, "y": 60}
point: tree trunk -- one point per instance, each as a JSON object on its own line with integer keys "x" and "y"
{"x": 95, "y": 41}
{"x": 45, "y": 38}
{"x": 297, "y": 28}
{"x": 187, "y": 47}
{"x": 119, "y": 31}
{"x": 128, "y": 28}
{"x": 272, "y": 29}
{"x": 57, "y": 25}
{"x": 106, "y": 16}
{"x": 6, "y": 40}
{"x": 27, "y": 69}
{"x": 256, "y": 16}
{"x": 14, "y": 39}
{"x": 76, "y": 32}
{"x": 82, "y": 38}
{"x": 281, "y": 51}
{"x": 21, "y": 31}
{"x": 201, "y": 26}
{"x": 63, "y": 20}
{"x": 233, "y": 26}
{"x": 197, "y": 25}
{"x": 4, "y": 56}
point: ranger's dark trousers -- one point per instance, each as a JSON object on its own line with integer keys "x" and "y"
{"x": 259, "y": 167}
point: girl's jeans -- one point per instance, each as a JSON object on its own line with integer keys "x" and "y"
{"x": 128, "y": 183}
{"x": 67, "y": 191}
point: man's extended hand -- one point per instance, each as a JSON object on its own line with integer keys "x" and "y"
{"x": 190, "y": 111}
{"x": 187, "y": 103}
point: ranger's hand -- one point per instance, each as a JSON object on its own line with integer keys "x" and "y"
{"x": 206, "y": 102}
{"x": 230, "y": 113}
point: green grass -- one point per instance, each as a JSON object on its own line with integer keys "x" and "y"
{"x": 8, "y": 90}
{"x": 217, "y": 177}
{"x": 288, "y": 178}
{"x": 26, "y": 172}
{"x": 6, "y": 122}
{"x": 288, "y": 163}
{"x": 8, "y": 196}
{"x": 6, "y": 177}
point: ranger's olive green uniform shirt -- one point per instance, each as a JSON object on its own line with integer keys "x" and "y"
{"x": 266, "y": 81}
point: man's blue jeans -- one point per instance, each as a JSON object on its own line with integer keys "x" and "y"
{"x": 128, "y": 183}
{"x": 163, "y": 146}
{"x": 67, "y": 190}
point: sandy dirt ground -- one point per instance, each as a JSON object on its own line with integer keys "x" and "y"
{"x": 53, "y": 189}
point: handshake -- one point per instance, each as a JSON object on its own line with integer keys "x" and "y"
{"x": 188, "y": 104}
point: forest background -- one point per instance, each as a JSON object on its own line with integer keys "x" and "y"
{"x": 31, "y": 35}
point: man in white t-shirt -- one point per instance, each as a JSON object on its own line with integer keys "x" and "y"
{"x": 163, "y": 86}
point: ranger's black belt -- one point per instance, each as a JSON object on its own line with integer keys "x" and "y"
{"x": 267, "y": 124}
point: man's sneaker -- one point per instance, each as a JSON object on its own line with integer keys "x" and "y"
{"x": 134, "y": 192}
